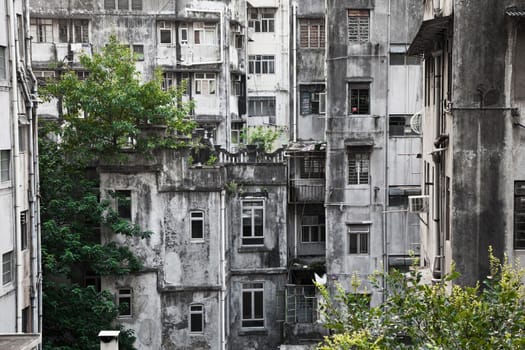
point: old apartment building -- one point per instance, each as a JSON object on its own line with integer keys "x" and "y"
{"x": 238, "y": 243}
{"x": 20, "y": 283}
{"x": 472, "y": 121}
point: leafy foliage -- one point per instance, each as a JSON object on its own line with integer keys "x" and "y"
{"x": 263, "y": 136}
{"x": 100, "y": 115}
{"x": 490, "y": 315}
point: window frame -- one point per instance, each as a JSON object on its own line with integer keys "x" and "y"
{"x": 519, "y": 215}
{"x": 257, "y": 64}
{"x": 183, "y": 28}
{"x": 312, "y": 167}
{"x": 165, "y": 26}
{"x": 3, "y": 64}
{"x": 305, "y": 32}
{"x": 122, "y": 295}
{"x": 195, "y": 218}
{"x": 41, "y": 30}
{"x": 253, "y": 239}
{"x": 5, "y": 171}
{"x": 360, "y": 231}
{"x": 312, "y": 99}
{"x": 191, "y": 313}
{"x": 7, "y": 261}
{"x": 251, "y": 288}
{"x": 237, "y": 133}
{"x": 138, "y": 54}
{"x": 262, "y": 106}
{"x": 362, "y": 171}
{"x": 321, "y": 229}
{"x": 24, "y": 229}
{"x": 205, "y": 84}
{"x": 262, "y": 19}
{"x": 360, "y": 88}
{"x": 123, "y": 193}
{"x": 360, "y": 20}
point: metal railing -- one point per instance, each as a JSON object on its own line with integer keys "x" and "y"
{"x": 301, "y": 304}
{"x": 307, "y": 191}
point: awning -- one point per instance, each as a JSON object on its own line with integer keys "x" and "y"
{"x": 515, "y": 11}
{"x": 427, "y": 34}
{"x": 294, "y": 147}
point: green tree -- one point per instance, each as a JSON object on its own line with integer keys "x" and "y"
{"x": 490, "y": 315}
{"x": 109, "y": 112}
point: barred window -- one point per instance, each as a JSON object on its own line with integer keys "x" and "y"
{"x": 312, "y": 167}
{"x": 358, "y": 98}
{"x": 519, "y": 215}
{"x": 7, "y": 267}
{"x": 5, "y": 165}
{"x": 312, "y": 33}
{"x": 358, "y": 166}
{"x": 358, "y": 26}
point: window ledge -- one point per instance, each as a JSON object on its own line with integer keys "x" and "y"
{"x": 254, "y": 331}
{"x": 251, "y": 249}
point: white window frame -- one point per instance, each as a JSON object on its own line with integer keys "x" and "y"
{"x": 194, "y": 310}
{"x": 261, "y": 64}
{"x": 3, "y": 65}
{"x": 41, "y": 30}
{"x": 361, "y": 165}
{"x": 196, "y": 216}
{"x": 258, "y": 105}
{"x": 237, "y": 133}
{"x": 205, "y": 84}
{"x": 121, "y": 295}
{"x": 262, "y": 19}
{"x": 207, "y": 33}
{"x": 7, "y": 267}
{"x": 5, "y": 165}
{"x": 165, "y": 26}
{"x": 169, "y": 80}
{"x": 359, "y": 231}
{"x": 252, "y": 288}
{"x": 248, "y": 211}
{"x": 183, "y": 29}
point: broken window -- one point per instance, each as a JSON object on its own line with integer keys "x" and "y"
{"x": 7, "y": 267}
{"x": 519, "y": 215}
{"x": 261, "y": 106}
{"x": 358, "y": 26}
{"x": 252, "y": 305}
{"x": 261, "y": 20}
{"x": 313, "y": 229}
{"x": 205, "y": 84}
{"x": 124, "y": 302}
{"x": 358, "y": 165}
{"x": 252, "y": 222}
{"x": 5, "y": 165}
{"x": 42, "y": 30}
{"x": 197, "y": 225}
{"x": 311, "y": 33}
{"x": 358, "y": 98}
{"x": 313, "y": 99}
{"x": 261, "y": 64}
{"x": 123, "y": 204}
{"x": 358, "y": 236}
{"x": 196, "y": 318}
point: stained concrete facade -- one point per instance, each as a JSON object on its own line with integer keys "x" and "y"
{"x": 472, "y": 134}
{"x": 20, "y": 288}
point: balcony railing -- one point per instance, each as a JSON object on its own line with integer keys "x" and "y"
{"x": 301, "y": 304}
{"x": 307, "y": 191}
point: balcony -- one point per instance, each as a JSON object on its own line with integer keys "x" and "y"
{"x": 307, "y": 191}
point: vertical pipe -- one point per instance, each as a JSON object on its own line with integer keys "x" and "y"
{"x": 294, "y": 48}
{"x": 222, "y": 249}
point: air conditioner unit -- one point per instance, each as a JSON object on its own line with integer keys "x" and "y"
{"x": 418, "y": 204}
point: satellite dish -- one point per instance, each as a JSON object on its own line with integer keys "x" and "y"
{"x": 415, "y": 123}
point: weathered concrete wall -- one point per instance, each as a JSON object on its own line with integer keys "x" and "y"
{"x": 479, "y": 149}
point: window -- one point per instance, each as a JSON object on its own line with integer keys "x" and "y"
{"x": 252, "y": 222}
{"x": 109, "y": 4}
{"x": 252, "y": 305}
{"x": 261, "y": 64}
{"x": 123, "y": 199}
{"x": 401, "y": 59}
{"x": 138, "y": 52}
{"x": 23, "y": 138}
{"x": 311, "y": 33}
{"x": 313, "y": 229}
{"x": 7, "y": 267}
{"x": 26, "y": 319}
{"x": 92, "y": 279}
{"x": 136, "y": 5}
{"x": 204, "y": 34}
{"x": 358, "y": 236}
{"x": 358, "y": 166}
{"x": 313, "y": 99}
{"x": 237, "y": 133}
{"x": 205, "y": 83}
{"x": 261, "y": 106}
{"x": 23, "y": 229}
{"x": 519, "y": 215}
{"x": 5, "y": 165}
{"x": 359, "y": 98}
{"x": 43, "y": 76}
{"x": 124, "y": 302}
{"x": 312, "y": 167}
{"x": 399, "y": 125}
{"x": 3, "y": 74}
{"x": 79, "y": 34}
{"x": 42, "y": 30}
{"x": 262, "y": 20}
{"x": 358, "y": 25}
{"x": 123, "y": 4}
{"x": 197, "y": 225}
{"x": 398, "y": 195}
{"x": 168, "y": 80}
{"x": 183, "y": 34}
{"x": 237, "y": 85}
{"x": 196, "y": 318}
{"x": 165, "y": 32}
{"x": 82, "y": 74}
